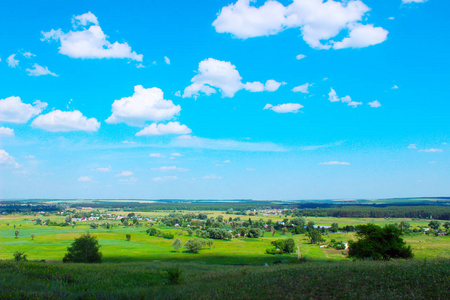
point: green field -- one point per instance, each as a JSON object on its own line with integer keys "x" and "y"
{"x": 51, "y": 242}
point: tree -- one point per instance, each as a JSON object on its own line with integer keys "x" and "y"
{"x": 334, "y": 227}
{"x": 447, "y": 225}
{"x": 17, "y": 234}
{"x": 434, "y": 225}
{"x": 379, "y": 243}
{"x": 38, "y": 221}
{"x": 404, "y": 226}
{"x": 128, "y": 236}
{"x": 177, "y": 244}
{"x": 32, "y": 237}
{"x": 67, "y": 219}
{"x": 193, "y": 245}
{"x": 314, "y": 236}
{"x": 282, "y": 246}
{"x": 20, "y": 256}
{"x": 210, "y": 243}
{"x": 190, "y": 232}
{"x": 84, "y": 249}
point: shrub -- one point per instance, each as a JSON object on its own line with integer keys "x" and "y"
{"x": 20, "y": 256}
{"x": 128, "y": 236}
{"x": 193, "y": 245}
{"x": 177, "y": 244}
{"x": 168, "y": 235}
{"x": 17, "y": 234}
{"x": 379, "y": 243}
{"x": 174, "y": 275}
{"x": 84, "y": 249}
{"x": 282, "y": 246}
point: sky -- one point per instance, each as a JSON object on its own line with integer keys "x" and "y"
{"x": 267, "y": 100}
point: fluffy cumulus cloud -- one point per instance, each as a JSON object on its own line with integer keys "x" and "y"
{"x": 284, "y": 108}
{"x": 319, "y": 21}
{"x": 169, "y": 168}
{"x": 335, "y": 163}
{"x": 145, "y": 105}
{"x": 5, "y": 131}
{"x": 12, "y": 62}
{"x": 300, "y": 56}
{"x": 38, "y": 70}
{"x": 63, "y": 121}
{"x": 374, "y": 104}
{"x": 84, "y": 179}
{"x": 89, "y": 41}
{"x": 302, "y": 88}
{"x": 125, "y": 174}
{"x": 13, "y": 110}
{"x": 162, "y": 129}
{"x": 333, "y": 97}
{"x": 215, "y": 74}
{"x": 7, "y": 160}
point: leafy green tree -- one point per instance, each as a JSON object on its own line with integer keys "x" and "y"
{"x": 314, "y": 236}
{"x": 190, "y": 232}
{"x": 334, "y": 227}
{"x": 84, "y": 249}
{"x": 128, "y": 236}
{"x": 379, "y": 243}
{"x": 220, "y": 219}
{"x": 210, "y": 243}
{"x": 193, "y": 245}
{"x": 282, "y": 246}
{"x": 177, "y": 244}
{"x": 17, "y": 234}
{"x": 67, "y": 219}
{"x": 20, "y": 256}
{"x": 404, "y": 226}
{"x": 434, "y": 224}
{"x": 38, "y": 221}
{"x": 32, "y": 237}
{"x": 447, "y": 225}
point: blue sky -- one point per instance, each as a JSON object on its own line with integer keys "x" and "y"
{"x": 299, "y": 99}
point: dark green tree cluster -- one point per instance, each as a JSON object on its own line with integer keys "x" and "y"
{"x": 84, "y": 249}
{"x": 282, "y": 246}
{"x": 379, "y": 243}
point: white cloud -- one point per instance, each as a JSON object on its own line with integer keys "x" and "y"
{"x": 39, "y": 71}
{"x": 215, "y": 74}
{"x": 13, "y": 110}
{"x": 169, "y": 168}
{"x": 145, "y": 105}
{"x": 84, "y": 19}
{"x": 300, "y": 56}
{"x": 89, "y": 41}
{"x": 12, "y": 62}
{"x": 166, "y": 60}
{"x": 317, "y": 20}
{"x": 176, "y": 154}
{"x": 212, "y": 176}
{"x": 412, "y": 146}
{"x": 65, "y": 121}
{"x": 362, "y": 36}
{"x": 391, "y": 18}
{"x": 414, "y": 1}
{"x": 7, "y": 160}
{"x": 103, "y": 169}
{"x": 431, "y": 150}
{"x": 162, "y": 129}
{"x": 226, "y": 161}
{"x": 395, "y": 87}
{"x": 165, "y": 178}
{"x": 84, "y": 179}
{"x": 124, "y": 174}
{"x": 130, "y": 180}
{"x": 156, "y": 155}
{"x": 5, "y": 131}
{"x": 188, "y": 141}
{"x": 284, "y": 108}
{"x": 335, "y": 163}
{"x": 302, "y": 88}
{"x": 374, "y": 104}
{"x": 28, "y": 54}
{"x": 30, "y": 156}
{"x": 333, "y": 97}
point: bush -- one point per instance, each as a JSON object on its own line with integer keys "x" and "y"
{"x": 84, "y": 249}
{"x": 177, "y": 244}
{"x": 168, "y": 235}
{"x": 379, "y": 243}
{"x": 20, "y": 256}
{"x": 193, "y": 245}
{"x": 282, "y": 246}
{"x": 128, "y": 236}
{"x": 174, "y": 275}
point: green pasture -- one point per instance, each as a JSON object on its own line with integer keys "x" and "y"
{"x": 51, "y": 242}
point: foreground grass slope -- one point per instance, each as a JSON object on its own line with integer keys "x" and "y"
{"x": 414, "y": 279}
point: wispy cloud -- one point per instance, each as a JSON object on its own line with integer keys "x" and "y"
{"x": 335, "y": 163}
